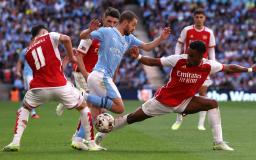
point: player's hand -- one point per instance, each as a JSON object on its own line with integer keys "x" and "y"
{"x": 134, "y": 52}
{"x": 94, "y": 25}
{"x": 165, "y": 33}
{"x": 254, "y": 68}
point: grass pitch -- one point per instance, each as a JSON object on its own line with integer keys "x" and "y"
{"x": 49, "y": 137}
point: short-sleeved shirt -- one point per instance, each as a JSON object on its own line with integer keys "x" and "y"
{"x": 44, "y": 59}
{"x": 190, "y": 34}
{"x": 184, "y": 81}
{"x": 112, "y": 48}
{"x": 27, "y": 71}
{"x": 90, "y": 50}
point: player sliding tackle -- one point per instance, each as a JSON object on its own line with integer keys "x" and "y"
{"x": 178, "y": 95}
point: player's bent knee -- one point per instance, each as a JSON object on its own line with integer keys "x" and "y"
{"x": 214, "y": 103}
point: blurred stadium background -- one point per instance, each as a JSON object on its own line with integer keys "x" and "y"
{"x": 234, "y": 25}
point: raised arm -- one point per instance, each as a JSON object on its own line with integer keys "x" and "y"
{"x": 151, "y": 45}
{"x": 94, "y": 25}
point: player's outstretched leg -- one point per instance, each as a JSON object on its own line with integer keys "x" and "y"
{"x": 202, "y": 116}
{"x": 21, "y": 123}
{"x": 176, "y": 125}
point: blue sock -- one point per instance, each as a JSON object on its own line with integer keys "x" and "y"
{"x": 80, "y": 132}
{"x": 102, "y": 102}
{"x": 33, "y": 111}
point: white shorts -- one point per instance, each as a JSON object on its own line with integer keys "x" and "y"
{"x": 80, "y": 81}
{"x": 27, "y": 79}
{"x": 154, "y": 108}
{"x": 68, "y": 95}
{"x": 103, "y": 86}
{"x": 207, "y": 82}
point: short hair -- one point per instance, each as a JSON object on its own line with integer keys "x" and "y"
{"x": 199, "y": 11}
{"x": 199, "y": 46}
{"x": 36, "y": 29}
{"x": 113, "y": 12}
{"x": 127, "y": 15}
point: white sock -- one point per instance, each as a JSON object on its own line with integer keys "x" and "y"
{"x": 86, "y": 122}
{"x": 120, "y": 121}
{"x": 202, "y": 116}
{"x": 215, "y": 122}
{"x": 21, "y": 124}
{"x": 179, "y": 118}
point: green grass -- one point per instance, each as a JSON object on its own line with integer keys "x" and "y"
{"x": 49, "y": 137}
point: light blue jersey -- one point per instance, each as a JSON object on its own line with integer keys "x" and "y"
{"x": 112, "y": 48}
{"x": 27, "y": 71}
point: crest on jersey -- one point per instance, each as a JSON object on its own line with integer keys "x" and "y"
{"x": 183, "y": 66}
{"x": 191, "y": 36}
{"x": 204, "y": 37}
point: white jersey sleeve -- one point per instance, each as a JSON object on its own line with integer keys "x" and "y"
{"x": 212, "y": 42}
{"x": 215, "y": 66}
{"x": 84, "y": 45}
{"x": 55, "y": 39}
{"x": 171, "y": 60}
{"x": 183, "y": 35}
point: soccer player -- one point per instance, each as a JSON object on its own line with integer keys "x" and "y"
{"x": 49, "y": 81}
{"x": 88, "y": 52}
{"x": 27, "y": 76}
{"x": 114, "y": 42}
{"x": 191, "y": 33}
{"x": 189, "y": 71}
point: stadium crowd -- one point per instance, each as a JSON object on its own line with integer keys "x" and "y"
{"x": 68, "y": 17}
{"x": 233, "y": 23}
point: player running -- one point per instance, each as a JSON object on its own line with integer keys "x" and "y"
{"x": 191, "y": 33}
{"x": 27, "y": 76}
{"x": 49, "y": 81}
{"x": 88, "y": 52}
{"x": 188, "y": 74}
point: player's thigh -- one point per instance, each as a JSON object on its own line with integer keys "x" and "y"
{"x": 200, "y": 103}
{"x": 152, "y": 108}
{"x": 36, "y": 97}
{"x": 80, "y": 81}
{"x": 69, "y": 96}
{"x": 102, "y": 86}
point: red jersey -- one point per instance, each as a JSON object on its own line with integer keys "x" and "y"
{"x": 184, "y": 81}
{"x": 190, "y": 34}
{"x": 44, "y": 59}
{"x": 90, "y": 50}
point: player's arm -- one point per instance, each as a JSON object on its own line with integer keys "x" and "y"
{"x": 151, "y": 45}
{"x": 234, "y": 68}
{"x": 18, "y": 68}
{"x": 178, "y": 48}
{"x": 81, "y": 66}
{"x": 149, "y": 61}
{"x": 94, "y": 25}
{"x": 66, "y": 40}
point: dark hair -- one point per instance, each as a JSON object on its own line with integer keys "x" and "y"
{"x": 199, "y": 11}
{"x": 199, "y": 46}
{"x": 127, "y": 15}
{"x": 36, "y": 29}
{"x": 113, "y": 12}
